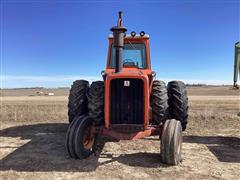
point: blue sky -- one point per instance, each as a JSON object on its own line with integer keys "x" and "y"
{"x": 45, "y": 43}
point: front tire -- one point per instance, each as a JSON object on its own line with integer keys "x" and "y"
{"x": 171, "y": 142}
{"x": 80, "y": 140}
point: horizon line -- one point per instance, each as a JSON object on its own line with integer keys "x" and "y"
{"x": 10, "y": 81}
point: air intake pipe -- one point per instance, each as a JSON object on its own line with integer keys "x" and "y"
{"x": 118, "y": 41}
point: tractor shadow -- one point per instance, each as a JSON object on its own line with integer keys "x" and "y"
{"x": 225, "y": 149}
{"x": 141, "y": 159}
{"x": 44, "y": 150}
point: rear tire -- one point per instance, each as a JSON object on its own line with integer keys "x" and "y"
{"x": 96, "y": 101}
{"x": 77, "y": 100}
{"x": 178, "y": 102}
{"x": 171, "y": 142}
{"x": 159, "y": 102}
{"x": 80, "y": 140}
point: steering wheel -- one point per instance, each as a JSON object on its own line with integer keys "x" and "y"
{"x": 128, "y": 60}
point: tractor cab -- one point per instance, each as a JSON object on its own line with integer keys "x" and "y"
{"x": 135, "y": 54}
{"x": 128, "y": 74}
{"x": 128, "y": 80}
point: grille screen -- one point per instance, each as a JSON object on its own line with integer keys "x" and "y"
{"x": 126, "y": 101}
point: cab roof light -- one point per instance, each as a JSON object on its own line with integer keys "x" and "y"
{"x": 142, "y": 33}
{"x": 133, "y": 33}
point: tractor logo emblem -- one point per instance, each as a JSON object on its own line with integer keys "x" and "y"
{"x": 126, "y": 83}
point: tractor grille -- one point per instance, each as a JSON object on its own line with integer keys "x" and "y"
{"x": 126, "y": 101}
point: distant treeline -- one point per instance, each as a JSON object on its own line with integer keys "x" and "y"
{"x": 205, "y": 85}
{"x": 196, "y": 85}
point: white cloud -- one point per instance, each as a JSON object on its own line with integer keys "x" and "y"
{"x": 202, "y": 81}
{"x": 42, "y": 81}
{"x": 48, "y": 78}
{"x": 66, "y": 80}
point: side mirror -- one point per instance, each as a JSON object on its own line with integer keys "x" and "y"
{"x": 104, "y": 74}
{"x": 154, "y": 74}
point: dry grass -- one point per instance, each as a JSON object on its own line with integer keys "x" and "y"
{"x": 213, "y": 113}
{"x": 34, "y": 110}
{"x": 203, "y": 109}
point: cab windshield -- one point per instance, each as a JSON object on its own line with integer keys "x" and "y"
{"x": 134, "y": 55}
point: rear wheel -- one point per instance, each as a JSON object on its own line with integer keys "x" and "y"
{"x": 159, "y": 102}
{"x": 80, "y": 139}
{"x": 178, "y": 102}
{"x": 171, "y": 142}
{"x": 96, "y": 101}
{"x": 77, "y": 100}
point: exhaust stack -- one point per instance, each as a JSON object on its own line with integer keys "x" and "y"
{"x": 118, "y": 41}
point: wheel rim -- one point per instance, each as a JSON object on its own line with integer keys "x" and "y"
{"x": 88, "y": 139}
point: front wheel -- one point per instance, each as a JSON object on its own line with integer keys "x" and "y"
{"x": 171, "y": 142}
{"x": 80, "y": 139}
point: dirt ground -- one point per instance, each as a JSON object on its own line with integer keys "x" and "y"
{"x": 33, "y": 132}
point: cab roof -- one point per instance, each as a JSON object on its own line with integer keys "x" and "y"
{"x": 128, "y": 36}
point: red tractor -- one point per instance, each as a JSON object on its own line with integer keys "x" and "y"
{"x": 129, "y": 103}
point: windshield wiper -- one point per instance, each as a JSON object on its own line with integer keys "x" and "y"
{"x": 131, "y": 45}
